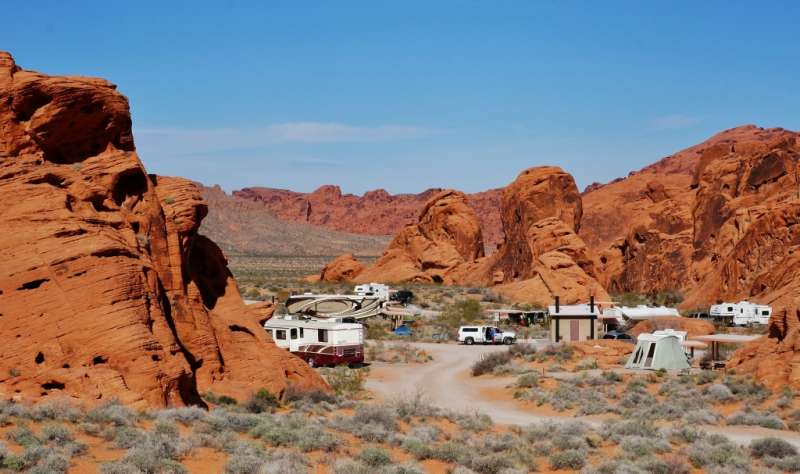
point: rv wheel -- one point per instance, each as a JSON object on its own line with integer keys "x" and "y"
{"x": 468, "y": 341}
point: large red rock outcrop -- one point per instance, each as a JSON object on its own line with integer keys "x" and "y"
{"x": 106, "y": 288}
{"x": 376, "y": 212}
{"x": 342, "y": 268}
{"x": 774, "y": 359}
{"x": 446, "y": 235}
{"x": 714, "y": 222}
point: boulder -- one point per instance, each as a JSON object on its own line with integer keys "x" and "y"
{"x": 342, "y": 268}
{"x": 446, "y": 235}
{"x": 106, "y": 288}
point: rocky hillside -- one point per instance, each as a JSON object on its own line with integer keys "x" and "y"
{"x": 715, "y": 221}
{"x": 244, "y": 227}
{"x": 375, "y": 213}
{"x": 107, "y": 290}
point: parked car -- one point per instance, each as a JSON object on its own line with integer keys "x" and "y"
{"x": 403, "y": 331}
{"x": 619, "y": 336}
{"x": 485, "y": 335}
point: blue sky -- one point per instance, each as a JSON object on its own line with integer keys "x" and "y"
{"x": 410, "y": 95}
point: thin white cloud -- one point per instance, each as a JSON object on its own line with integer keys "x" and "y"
{"x": 673, "y": 122}
{"x": 219, "y": 139}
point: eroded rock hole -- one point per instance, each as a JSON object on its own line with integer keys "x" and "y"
{"x": 237, "y": 328}
{"x": 33, "y": 284}
{"x": 97, "y": 360}
{"x": 39, "y": 358}
{"x": 129, "y": 183}
{"x": 27, "y": 104}
{"x": 53, "y": 385}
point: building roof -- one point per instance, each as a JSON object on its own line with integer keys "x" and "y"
{"x": 574, "y": 310}
{"x": 732, "y": 338}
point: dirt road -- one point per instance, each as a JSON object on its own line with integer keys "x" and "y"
{"x": 446, "y": 382}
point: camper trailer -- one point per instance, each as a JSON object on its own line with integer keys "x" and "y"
{"x": 623, "y": 314}
{"x": 319, "y": 342}
{"x": 376, "y": 290}
{"x": 742, "y": 313}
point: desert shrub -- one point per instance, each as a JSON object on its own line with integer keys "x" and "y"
{"x": 126, "y": 437}
{"x": 638, "y": 446}
{"x": 417, "y": 447}
{"x": 295, "y": 430}
{"x": 475, "y": 421}
{"x": 611, "y": 376}
{"x": 719, "y": 392}
{"x": 568, "y": 459}
{"x": 57, "y": 410}
{"x": 701, "y": 417}
{"x": 56, "y": 433}
{"x": 351, "y": 466}
{"x": 344, "y": 381}
{"x": 766, "y": 420}
{"x": 490, "y": 463}
{"x": 378, "y": 414}
{"x": 461, "y": 312}
{"x": 296, "y": 394}
{"x": 587, "y": 364}
{"x": 559, "y": 352}
{"x": 683, "y": 435}
{"x": 112, "y": 412}
{"x": 415, "y": 404}
{"x": 711, "y": 451}
{"x": 705, "y": 377}
{"x": 185, "y": 415}
{"x": 528, "y": 380}
{"x": 668, "y": 465}
{"x": 263, "y": 401}
{"x": 616, "y": 429}
{"x": 51, "y": 464}
{"x": 522, "y": 350}
{"x": 488, "y": 362}
{"x": 245, "y": 458}
{"x": 773, "y": 447}
{"x": 375, "y": 457}
{"x": 746, "y": 387}
{"x": 212, "y": 397}
{"x": 565, "y": 442}
{"x": 224, "y": 419}
{"x": 23, "y": 436}
{"x": 451, "y": 451}
{"x": 786, "y": 464}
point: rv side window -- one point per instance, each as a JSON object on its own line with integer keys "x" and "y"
{"x": 280, "y": 334}
{"x": 301, "y": 333}
{"x": 322, "y": 335}
{"x": 730, "y": 308}
{"x": 765, "y": 313}
{"x": 294, "y": 333}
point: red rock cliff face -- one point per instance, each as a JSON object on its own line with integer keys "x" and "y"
{"x": 106, "y": 289}
{"x": 714, "y": 221}
{"x": 376, "y": 212}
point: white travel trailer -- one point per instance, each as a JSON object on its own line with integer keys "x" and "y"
{"x": 319, "y": 342}
{"x": 742, "y": 313}
{"x": 638, "y": 313}
{"x": 377, "y": 290}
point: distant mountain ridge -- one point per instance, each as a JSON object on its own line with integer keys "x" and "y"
{"x": 242, "y": 226}
{"x": 375, "y": 213}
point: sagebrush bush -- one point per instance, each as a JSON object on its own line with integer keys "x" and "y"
{"x": 262, "y": 401}
{"x": 568, "y": 459}
{"x": 488, "y": 362}
{"x": 112, "y": 412}
{"x": 786, "y": 464}
{"x": 638, "y": 446}
{"x": 766, "y": 420}
{"x": 375, "y": 457}
{"x": 773, "y": 447}
{"x": 344, "y": 381}
{"x": 522, "y": 350}
{"x": 719, "y": 392}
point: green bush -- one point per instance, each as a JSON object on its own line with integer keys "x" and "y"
{"x": 263, "y": 401}
{"x": 568, "y": 459}
{"x": 344, "y": 381}
{"x": 772, "y": 447}
{"x": 375, "y": 457}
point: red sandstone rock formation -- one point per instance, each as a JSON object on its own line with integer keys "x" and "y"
{"x": 446, "y": 235}
{"x": 106, "y": 288}
{"x": 342, "y": 268}
{"x": 774, "y": 359}
{"x": 376, "y": 212}
{"x": 715, "y": 221}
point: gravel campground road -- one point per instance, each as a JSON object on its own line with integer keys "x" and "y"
{"x": 446, "y": 382}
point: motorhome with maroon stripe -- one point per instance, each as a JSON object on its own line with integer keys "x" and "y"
{"x": 318, "y": 342}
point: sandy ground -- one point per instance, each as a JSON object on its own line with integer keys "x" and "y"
{"x": 446, "y": 382}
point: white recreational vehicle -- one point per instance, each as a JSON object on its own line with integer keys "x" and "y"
{"x": 742, "y": 313}
{"x": 638, "y": 313}
{"x": 376, "y": 290}
{"x": 318, "y": 342}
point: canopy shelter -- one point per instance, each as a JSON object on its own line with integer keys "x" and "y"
{"x": 658, "y": 351}
{"x": 716, "y": 339}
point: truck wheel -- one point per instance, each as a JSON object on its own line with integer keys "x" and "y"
{"x": 508, "y": 341}
{"x": 469, "y": 341}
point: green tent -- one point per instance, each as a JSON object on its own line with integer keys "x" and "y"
{"x": 655, "y": 352}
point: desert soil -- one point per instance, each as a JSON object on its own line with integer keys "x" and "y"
{"x": 446, "y": 381}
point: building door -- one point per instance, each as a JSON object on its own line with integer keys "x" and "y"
{"x": 574, "y": 330}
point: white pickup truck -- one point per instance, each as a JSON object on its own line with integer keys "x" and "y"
{"x": 485, "y": 335}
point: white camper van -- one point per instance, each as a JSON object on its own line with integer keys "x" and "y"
{"x": 319, "y": 342}
{"x": 742, "y": 313}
